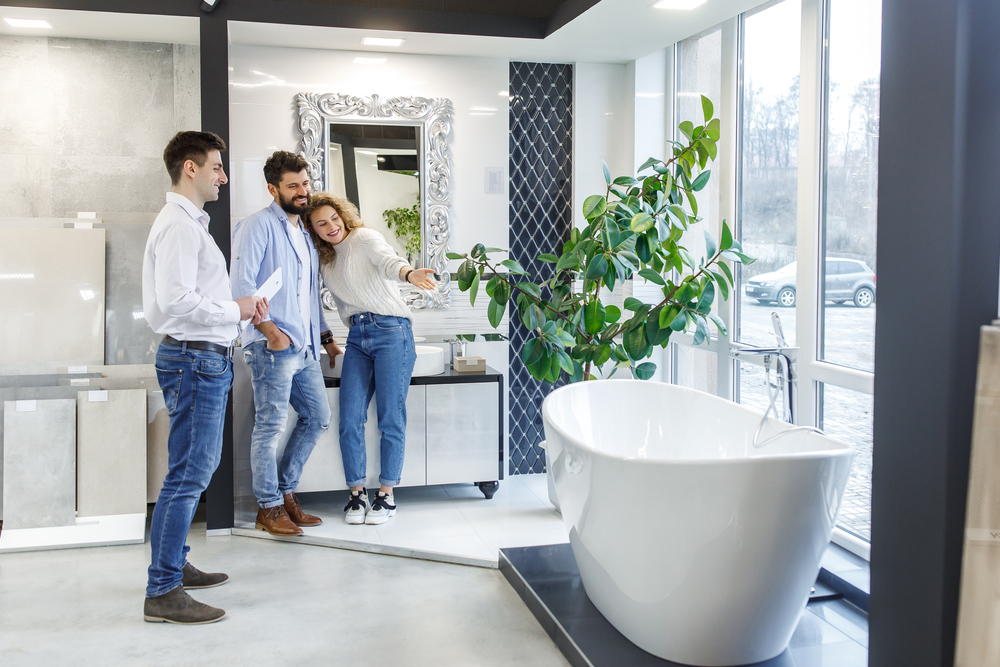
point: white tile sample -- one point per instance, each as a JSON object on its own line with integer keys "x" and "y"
{"x": 111, "y": 452}
{"x": 52, "y": 297}
{"x": 39, "y": 465}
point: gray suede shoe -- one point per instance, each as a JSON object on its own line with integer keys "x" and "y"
{"x": 195, "y": 578}
{"x": 178, "y": 607}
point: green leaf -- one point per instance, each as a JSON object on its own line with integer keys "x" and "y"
{"x": 668, "y": 315}
{"x": 597, "y": 268}
{"x": 641, "y": 222}
{"x": 652, "y": 276}
{"x": 607, "y": 172}
{"x": 719, "y": 324}
{"x": 701, "y": 181}
{"x": 455, "y": 255}
{"x": 625, "y": 180}
{"x": 594, "y": 317}
{"x": 644, "y": 371}
{"x": 531, "y": 288}
{"x": 612, "y": 314}
{"x": 465, "y": 273}
{"x": 532, "y": 351}
{"x": 495, "y": 250}
{"x": 546, "y": 257}
{"x": 495, "y": 312}
{"x": 709, "y": 245}
{"x": 492, "y": 285}
{"x": 474, "y": 289}
{"x": 680, "y": 322}
{"x": 706, "y": 107}
{"x": 501, "y": 293}
{"x": 726, "y": 242}
{"x": 635, "y": 343}
{"x": 729, "y": 274}
{"x": 633, "y": 304}
{"x": 647, "y": 164}
{"x": 701, "y": 332}
{"x": 713, "y": 129}
{"x": 594, "y": 206}
{"x": 711, "y": 148}
{"x": 513, "y": 267}
{"x": 478, "y": 250}
{"x": 568, "y": 263}
{"x": 723, "y": 285}
{"x": 686, "y": 257}
{"x": 686, "y": 128}
{"x": 707, "y": 298}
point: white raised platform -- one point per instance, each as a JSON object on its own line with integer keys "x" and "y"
{"x": 92, "y": 531}
{"x": 450, "y": 523}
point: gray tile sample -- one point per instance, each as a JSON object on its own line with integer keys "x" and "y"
{"x": 25, "y": 393}
{"x": 52, "y": 298}
{"x": 111, "y": 452}
{"x": 39, "y": 464}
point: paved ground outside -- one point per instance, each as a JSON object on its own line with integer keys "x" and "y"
{"x": 850, "y": 341}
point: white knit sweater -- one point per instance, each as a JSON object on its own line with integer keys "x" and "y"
{"x": 364, "y": 276}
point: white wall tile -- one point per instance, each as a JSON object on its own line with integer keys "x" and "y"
{"x": 111, "y": 451}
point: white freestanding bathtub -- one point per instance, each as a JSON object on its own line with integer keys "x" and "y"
{"x": 695, "y": 545}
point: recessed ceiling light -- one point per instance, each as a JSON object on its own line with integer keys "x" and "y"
{"x": 382, "y": 41}
{"x": 28, "y": 23}
{"x": 369, "y": 61}
{"x": 679, "y": 4}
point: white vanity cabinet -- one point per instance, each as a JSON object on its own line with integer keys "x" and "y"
{"x": 453, "y": 435}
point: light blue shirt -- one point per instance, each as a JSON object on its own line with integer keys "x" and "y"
{"x": 261, "y": 243}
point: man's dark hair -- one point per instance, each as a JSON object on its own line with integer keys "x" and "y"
{"x": 189, "y": 146}
{"x": 280, "y": 163}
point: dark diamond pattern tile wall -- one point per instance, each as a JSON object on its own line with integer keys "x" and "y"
{"x": 541, "y": 217}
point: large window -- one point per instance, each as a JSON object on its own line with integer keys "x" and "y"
{"x": 851, "y": 182}
{"x": 803, "y": 76}
{"x": 768, "y": 183}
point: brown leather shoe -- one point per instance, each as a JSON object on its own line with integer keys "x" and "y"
{"x": 295, "y": 513}
{"x": 275, "y": 521}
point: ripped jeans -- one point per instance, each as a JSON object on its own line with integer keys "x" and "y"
{"x": 280, "y": 377}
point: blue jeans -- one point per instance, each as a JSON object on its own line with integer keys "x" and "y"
{"x": 195, "y": 388}
{"x": 378, "y": 361}
{"x": 280, "y": 377}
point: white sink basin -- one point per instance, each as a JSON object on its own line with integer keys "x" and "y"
{"x": 430, "y": 361}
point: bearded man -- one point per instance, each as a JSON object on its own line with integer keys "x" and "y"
{"x": 283, "y": 350}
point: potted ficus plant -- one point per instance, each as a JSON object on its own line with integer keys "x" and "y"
{"x": 637, "y": 227}
{"x": 405, "y": 224}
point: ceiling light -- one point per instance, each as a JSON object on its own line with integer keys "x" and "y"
{"x": 382, "y": 41}
{"x": 678, "y": 4}
{"x": 28, "y": 23}
{"x": 369, "y": 61}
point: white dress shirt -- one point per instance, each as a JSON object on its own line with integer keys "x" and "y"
{"x": 295, "y": 233}
{"x": 185, "y": 283}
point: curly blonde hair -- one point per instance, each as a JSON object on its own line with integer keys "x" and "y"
{"x": 347, "y": 211}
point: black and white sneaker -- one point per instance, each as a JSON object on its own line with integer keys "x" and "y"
{"x": 357, "y": 507}
{"x": 383, "y": 508}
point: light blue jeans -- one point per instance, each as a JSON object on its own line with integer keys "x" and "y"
{"x": 195, "y": 386}
{"x": 279, "y": 378}
{"x": 378, "y": 361}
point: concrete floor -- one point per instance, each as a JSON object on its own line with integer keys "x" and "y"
{"x": 286, "y": 604}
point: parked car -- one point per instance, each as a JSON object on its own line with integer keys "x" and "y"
{"x": 846, "y": 280}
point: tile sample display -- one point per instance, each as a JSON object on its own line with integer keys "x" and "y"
{"x": 111, "y": 452}
{"x": 39, "y": 463}
{"x": 52, "y": 296}
{"x": 128, "y": 338}
{"x": 157, "y": 432}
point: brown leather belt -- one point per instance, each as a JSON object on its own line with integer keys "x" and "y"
{"x": 200, "y": 345}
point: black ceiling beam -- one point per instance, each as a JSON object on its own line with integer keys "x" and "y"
{"x": 336, "y": 16}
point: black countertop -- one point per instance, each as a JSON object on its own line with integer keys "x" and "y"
{"x": 448, "y": 377}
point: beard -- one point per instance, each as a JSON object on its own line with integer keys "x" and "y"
{"x": 289, "y": 206}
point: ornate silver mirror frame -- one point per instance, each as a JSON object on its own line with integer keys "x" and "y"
{"x": 434, "y": 116}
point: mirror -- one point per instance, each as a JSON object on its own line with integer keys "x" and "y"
{"x": 389, "y": 156}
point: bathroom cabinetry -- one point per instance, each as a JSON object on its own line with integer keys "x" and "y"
{"x": 453, "y": 435}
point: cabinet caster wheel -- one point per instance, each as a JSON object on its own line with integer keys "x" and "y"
{"x": 489, "y": 488}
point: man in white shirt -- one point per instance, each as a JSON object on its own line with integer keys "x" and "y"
{"x": 187, "y": 297}
{"x": 283, "y": 351}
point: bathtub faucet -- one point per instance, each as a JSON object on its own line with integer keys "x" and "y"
{"x": 786, "y": 379}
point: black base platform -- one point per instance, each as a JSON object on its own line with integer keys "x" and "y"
{"x": 548, "y": 580}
